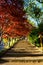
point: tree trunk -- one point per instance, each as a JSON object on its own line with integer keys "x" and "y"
{"x": 41, "y": 41}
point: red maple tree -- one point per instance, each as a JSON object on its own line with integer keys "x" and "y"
{"x": 12, "y": 21}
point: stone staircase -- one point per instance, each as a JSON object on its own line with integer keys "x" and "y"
{"x": 23, "y": 48}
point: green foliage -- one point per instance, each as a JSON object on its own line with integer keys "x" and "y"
{"x": 40, "y": 27}
{"x": 34, "y": 32}
{"x": 34, "y": 9}
{"x": 34, "y": 35}
{"x": 34, "y": 38}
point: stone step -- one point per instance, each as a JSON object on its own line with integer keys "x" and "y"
{"x": 23, "y": 48}
{"x": 22, "y": 51}
{"x": 26, "y": 59}
{"x": 23, "y": 54}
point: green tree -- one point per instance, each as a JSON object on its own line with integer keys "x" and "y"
{"x": 34, "y": 9}
{"x": 36, "y": 35}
